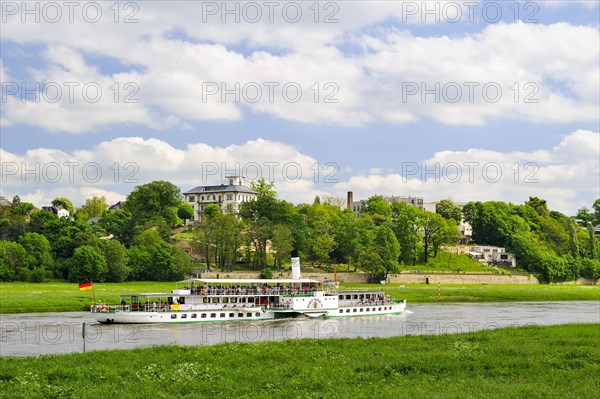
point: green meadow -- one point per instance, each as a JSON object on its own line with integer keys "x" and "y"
{"x": 64, "y": 297}
{"x": 527, "y": 362}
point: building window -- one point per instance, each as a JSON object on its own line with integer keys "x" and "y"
{"x": 191, "y": 198}
{"x": 229, "y": 197}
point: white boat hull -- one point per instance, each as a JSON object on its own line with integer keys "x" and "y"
{"x": 215, "y": 315}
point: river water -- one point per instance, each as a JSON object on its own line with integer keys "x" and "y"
{"x": 33, "y": 334}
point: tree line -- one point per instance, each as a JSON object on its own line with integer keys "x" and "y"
{"x": 136, "y": 242}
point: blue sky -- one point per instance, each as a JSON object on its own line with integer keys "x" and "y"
{"x": 371, "y": 58}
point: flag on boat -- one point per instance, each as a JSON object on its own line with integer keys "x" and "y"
{"x": 86, "y": 286}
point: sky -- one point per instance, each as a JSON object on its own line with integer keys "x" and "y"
{"x": 468, "y": 100}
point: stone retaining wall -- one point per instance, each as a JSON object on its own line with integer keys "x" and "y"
{"x": 462, "y": 278}
{"x": 405, "y": 278}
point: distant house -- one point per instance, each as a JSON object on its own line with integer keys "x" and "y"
{"x": 60, "y": 212}
{"x": 492, "y": 256}
{"x": 597, "y": 230}
{"x": 358, "y": 206}
{"x": 5, "y": 202}
{"x": 229, "y": 197}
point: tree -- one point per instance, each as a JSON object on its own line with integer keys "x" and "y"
{"x": 263, "y": 188}
{"x": 407, "y": 222}
{"x": 539, "y": 205}
{"x": 185, "y": 212}
{"x": 282, "y": 244}
{"x": 87, "y": 263}
{"x": 155, "y": 200}
{"x": 434, "y": 229}
{"x": 116, "y": 261}
{"x": 13, "y": 257}
{"x": 388, "y": 249}
{"x": 93, "y": 207}
{"x": 448, "y": 210}
{"x": 153, "y": 259}
{"x": 38, "y": 248}
{"x": 211, "y": 211}
{"x": 378, "y": 209}
{"x": 362, "y": 243}
{"x": 120, "y": 224}
{"x": 20, "y": 209}
{"x": 584, "y": 217}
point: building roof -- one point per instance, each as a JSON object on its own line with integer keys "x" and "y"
{"x": 220, "y": 189}
{"x": 119, "y": 205}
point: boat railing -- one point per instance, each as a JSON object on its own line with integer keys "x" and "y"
{"x": 253, "y": 291}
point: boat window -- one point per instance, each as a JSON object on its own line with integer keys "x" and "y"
{"x": 257, "y": 314}
{"x": 354, "y": 296}
{"x": 243, "y": 300}
{"x": 222, "y": 315}
{"x": 240, "y": 315}
{"x": 184, "y": 316}
{"x": 213, "y": 315}
{"x": 353, "y": 310}
{"x": 248, "y": 314}
{"x": 231, "y": 314}
{"x": 341, "y": 310}
{"x": 367, "y": 309}
{"x": 215, "y": 300}
{"x": 232, "y": 300}
{"x": 347, "y": 310}
{"x": 194, "y": 316}
{"x": 251, "y": 300}
{"x": 173, "y": 316}
{"x": 380, "y": 308}
{"x": 203, "y": 316}
{"x": 225, "y": 300}
{"x": 361, "y": 309}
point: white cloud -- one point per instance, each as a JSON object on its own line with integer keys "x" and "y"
{"x": 174, "y": 58}
{"x": 567, "y": 176}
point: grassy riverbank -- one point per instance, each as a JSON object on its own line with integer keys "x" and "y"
{"x": 534, "y": 362}
{"x": 422, "y": 293}
{"x": 64, "y": 297}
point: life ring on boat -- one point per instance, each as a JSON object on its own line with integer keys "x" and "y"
{"x": 104, "y": 308}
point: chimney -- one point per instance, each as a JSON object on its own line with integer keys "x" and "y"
{"x": 295, "y": 265}
{"x": 350, "y": 200}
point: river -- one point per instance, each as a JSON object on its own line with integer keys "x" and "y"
{"x": 33, "y": 334}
